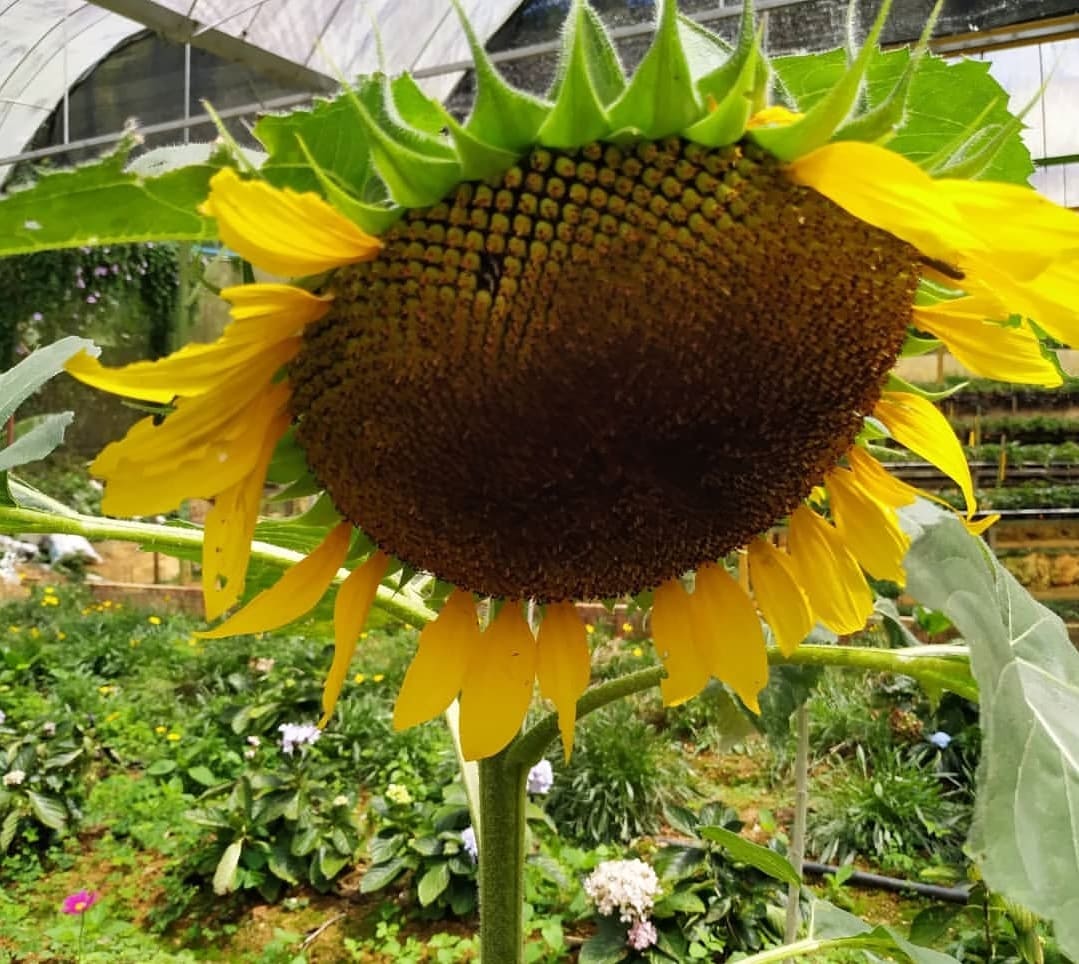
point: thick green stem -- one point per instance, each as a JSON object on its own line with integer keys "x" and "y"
{"x": 501, "y": 841}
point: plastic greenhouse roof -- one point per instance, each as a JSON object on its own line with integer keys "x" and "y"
{"x": 47, "y": 45}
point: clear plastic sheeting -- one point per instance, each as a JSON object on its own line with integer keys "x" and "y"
{"x": 46, "y": 46}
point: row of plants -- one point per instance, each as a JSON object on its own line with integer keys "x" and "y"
{"x": 1016, "y": 454}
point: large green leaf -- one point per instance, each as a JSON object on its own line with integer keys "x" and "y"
{"x": 1025, "y": 836}
{"x": 226, "y": 872}
{"x": 48, "y": 810}
{"x": 766, "y": 861}
{"x": 945, "y": 98}
{"x": 106, "y": 203}
{"x": 19, "y": 383}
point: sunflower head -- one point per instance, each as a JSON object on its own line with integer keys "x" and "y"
{"x": 586, "y": 345}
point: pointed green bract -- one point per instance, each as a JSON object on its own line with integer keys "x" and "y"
{"x": 819, "y": 124}
{"x": 726, "y": 123}
{"x": 480, "y": 161}
{"x": 882, "y": 120}
{"x": 417, "y": 168}
{"x": 589, "y": 77}
{"x": 501, "y": 116}
{"x": 661, "y": 98}
{"x": 370, "y": 217}
{"x": 415, "y": 107}
{"x": 718, "y": 81}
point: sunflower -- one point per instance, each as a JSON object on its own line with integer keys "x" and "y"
{"x": 593, "y": 346}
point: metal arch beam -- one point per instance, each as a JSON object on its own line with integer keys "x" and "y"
{"x": 186, "y": 30}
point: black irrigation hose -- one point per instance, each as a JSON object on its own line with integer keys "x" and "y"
{"x": 957, "y": 895}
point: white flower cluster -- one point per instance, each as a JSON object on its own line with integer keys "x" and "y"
{"x": 540, "y": 778}
{"x": 626, "y": 886}
{"x": 398, "y": 793}
{"x": 14, "y": 778}
{"x": 295, "y": 735}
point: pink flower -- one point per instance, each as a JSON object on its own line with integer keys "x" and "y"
{"x": 80, "y": 901}
{"x": 642, "y": 934}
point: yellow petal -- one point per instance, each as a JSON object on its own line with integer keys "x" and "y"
{"x": 437, "y": 671}
{"x": 890, "y": 192}
{"x": 350, "y": 610}
{"x": 878, "y": 481}
{"x": 829, "y": 574}
{"x": 781, "y": 600}
{"x": 1026, "y": 230}
{"x": 672, "y": 631}
{"x": 869, "y": 528}
{"x": 1050, "y": 299}
{"x": 295, "y": 593}
{"x": 563, "y": 665}
{"x": 728, "y": 634}
{"x": 264, "y": 316}
{"x": 915, "y": 423}
{"x": 498, "y": 686}
{"x": 977, "y": 527}
{"x": 282, "y": 231}
{"x": 774, "y": 116}
{"x": 209, "y": 444}
{"x": 1001, "y": 352}
{"x": 230, "y": 527}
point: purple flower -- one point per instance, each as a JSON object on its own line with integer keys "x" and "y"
{"x": 100, "y": 271}
{"x": 540, "y": 778}
{"x": 80, "y": 901}
{"x": 79, "y": 283}
{"x": 940, "y": 739}
{"x": 295, "y": 735}
{"x": 91, "y": 299}
{"x": 37, "y": 316}
{"x": 642, "y": 934}
{"x": 469, "y": 843}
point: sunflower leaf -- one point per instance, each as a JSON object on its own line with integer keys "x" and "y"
{"x": 106, "y": 203}
{"x": 501, "y": 115}
{"x": 1025, "y": 835}
{"x": 589, "y": 76}
{"x": 820, "y": 122}
{"x": 661, "y": 99}
{"x": 323, "y": 139}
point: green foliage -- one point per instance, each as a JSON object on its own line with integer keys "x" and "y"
{"x": 892, "y": 807}
{"x": 121, "y": 294}
{"x": 274, "y": 829}
{"x": 43, "y": 784}
{"x": 621, "y": 776}
{"x": 422, "y": 838}
{"x": 715, "y": 902}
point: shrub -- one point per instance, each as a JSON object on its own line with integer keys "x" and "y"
{"x": 621, "y": 776}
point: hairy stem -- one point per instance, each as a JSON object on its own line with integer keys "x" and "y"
{"x": 501, "y": 838}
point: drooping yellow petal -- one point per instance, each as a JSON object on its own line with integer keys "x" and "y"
{"x": 563, "y": 664}
{"x": 1005, "y": 353}
{"x": 977, "y": 527}
{"x": 728, "y": 633}
{"x": 1050, "y": 299}
{"x": 672, "y": 631}
{"x": 295, "y": 593}
{"x": 1027, "y": 230}
{"x": 781, "y": 600}
{"x": 437, "y": 671}
{"x": 283, "y": 231}
{"x": 774, "y": 116}
{"x": 264, "y": 314}
{"x": 885, "y": 189}
{"x": 829, "y": 574}
{"x": 869, "y": 528}
{"x": 878, "y": 481}
{"x": 498, "y": 686}
{"x": 230, "y": 527}
{"x": 350, "y": 610}
{"x": 209, "y": 444}
{"x": 915, "y": 423}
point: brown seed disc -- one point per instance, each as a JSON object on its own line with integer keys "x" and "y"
{"x": 603, "y": 372}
